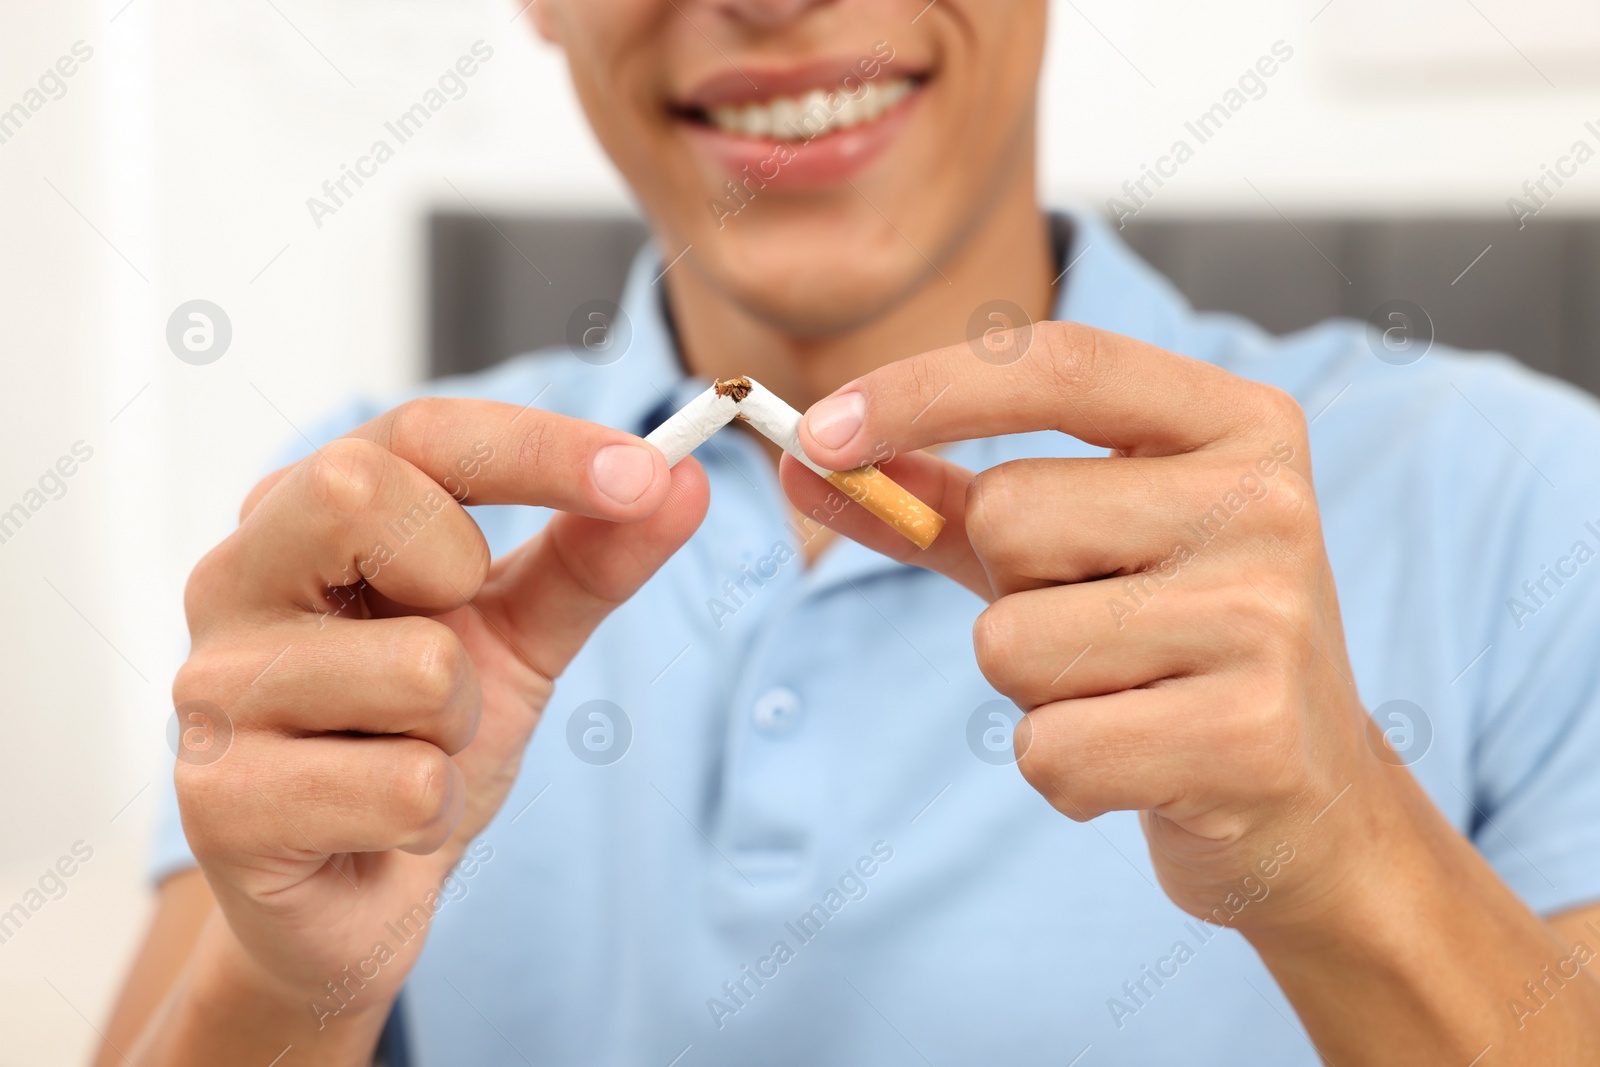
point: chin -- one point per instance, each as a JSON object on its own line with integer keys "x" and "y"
{"x": 811, "y": 279}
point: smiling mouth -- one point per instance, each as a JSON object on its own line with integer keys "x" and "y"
{"x": 806, "y": 116}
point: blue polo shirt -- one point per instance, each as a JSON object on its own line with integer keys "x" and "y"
{"x": 770, "y": 815}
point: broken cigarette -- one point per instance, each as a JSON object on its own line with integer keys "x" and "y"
{"x": 744, "y": 398}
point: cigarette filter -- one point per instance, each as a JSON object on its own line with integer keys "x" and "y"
{"x": 766, "y": 412}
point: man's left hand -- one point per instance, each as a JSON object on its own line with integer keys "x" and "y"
{"x": 1165, "y": 615}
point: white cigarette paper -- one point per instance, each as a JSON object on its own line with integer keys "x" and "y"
{"x": 693, "y": 424}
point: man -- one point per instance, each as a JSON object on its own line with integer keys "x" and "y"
{"x": 769, "y": 813}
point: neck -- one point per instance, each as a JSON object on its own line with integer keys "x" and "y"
{"x": 1006, "y": 254}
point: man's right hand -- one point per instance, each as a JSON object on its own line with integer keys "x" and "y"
{"x": 382, "y": 676}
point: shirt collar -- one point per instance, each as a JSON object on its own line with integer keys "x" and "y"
{"x": 1107, "y": 286}
{"x": 648, "y": 379}
{"x": 1103, "y": 284}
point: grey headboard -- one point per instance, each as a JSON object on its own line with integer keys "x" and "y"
{"x": 503, "y": 285}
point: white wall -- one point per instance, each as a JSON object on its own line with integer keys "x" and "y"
{"x": 177, "y": 166}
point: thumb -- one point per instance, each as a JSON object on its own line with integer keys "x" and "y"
{"x": 539, "y": 605}
{"x": 555, "y": 590}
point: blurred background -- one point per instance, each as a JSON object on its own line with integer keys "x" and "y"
{"x": 175, "y": 161}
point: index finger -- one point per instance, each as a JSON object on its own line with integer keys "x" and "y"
{"x": 486, "y": 452}
{"x": 1100, "y": 387}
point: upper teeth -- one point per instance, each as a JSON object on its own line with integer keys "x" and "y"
{"x": 800, "y": 118}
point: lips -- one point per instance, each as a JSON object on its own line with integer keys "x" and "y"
{"x": 815, "y": 114}
{"x": 801, "y": 127}
{"x": 746, "y": 83}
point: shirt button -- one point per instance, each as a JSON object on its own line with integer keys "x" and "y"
{"x": 778, "y": 711}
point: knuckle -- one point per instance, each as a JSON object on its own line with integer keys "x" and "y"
{"x": 1259, "y": 722}
{"x": 214, "y": 819}
{"x": 1265, "y": 742}
{"x": 1073, "y": 352}
{"x": 1276, "y": 416}
{"x": 924, "y": 386}
{"x": 347, "y": 476}
{"x": 1047, "y": 767}
{"x": 1278, "y": 408}
{"x": 422, "y": 787}
{"x": 1294, "y": 506}
{"x": 979, "y": 512}
{"x": 1295, "y": 649}
{"x": 1270, "y": 618}
{"x": 531, "y": 446}
{"x": 1076, "y": 357}
{"x": 434, "y": 661}
{"x": 210, "y": 574}
{"x": 1285, "y": 651}
{"x": 994, "y": 635}
{"x": 1040, "y": 771}
{"x": 1240, "y": 610}
{"x": 406, "y": 426}
{"x": 260, "y": 491}
{"x": 988, "y": 507}
{"x": 199, "y": 791}
{"x": 203, "y": 676}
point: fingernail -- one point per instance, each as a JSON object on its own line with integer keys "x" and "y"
{"x": 623, "y": 472}
{"x": 835, "y": 421}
